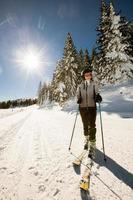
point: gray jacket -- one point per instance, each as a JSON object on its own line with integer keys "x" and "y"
{"x": 87, "y": 91}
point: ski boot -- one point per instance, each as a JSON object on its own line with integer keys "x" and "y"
{"x": 92, "y": 150}
{"x": 86, "y": 145}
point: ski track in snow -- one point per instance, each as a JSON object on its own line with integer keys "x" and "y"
{"x": 35, "y": 163}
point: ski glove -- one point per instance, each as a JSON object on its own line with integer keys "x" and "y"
{"x": 79, "y": 100}
{"x": 80, "y": 97}
{"x": 98, "y": 98}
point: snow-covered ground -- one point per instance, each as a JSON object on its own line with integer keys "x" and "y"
{"x": 35, "y": 163}
{"x": 10, "y": 111}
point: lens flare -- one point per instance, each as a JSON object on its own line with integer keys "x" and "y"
{"x": 30, "y": 59}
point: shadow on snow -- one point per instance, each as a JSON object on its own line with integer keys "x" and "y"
{"x": 121, "y": 173}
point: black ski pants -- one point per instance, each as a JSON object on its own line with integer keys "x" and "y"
{"x": 88, "y": 115}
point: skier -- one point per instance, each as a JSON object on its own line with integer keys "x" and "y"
{"x": 87, "y": 96}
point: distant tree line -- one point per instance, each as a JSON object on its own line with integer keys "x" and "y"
{"x": 17, "y": 103}
{"x": 111, "y": 58}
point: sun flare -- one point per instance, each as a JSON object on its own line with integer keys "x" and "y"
{"x": 30, "y": 59}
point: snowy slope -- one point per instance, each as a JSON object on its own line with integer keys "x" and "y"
{"x": 118, "y": 99}
{"x": 35, "y": 163}
{"x": 10, "y": 111}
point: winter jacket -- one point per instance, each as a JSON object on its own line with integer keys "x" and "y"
{"x": 86, "y": 93}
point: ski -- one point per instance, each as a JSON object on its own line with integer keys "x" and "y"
{"x": 85, "y": 181}
{"x": 80, "y": 158}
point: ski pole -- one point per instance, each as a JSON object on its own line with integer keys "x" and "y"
{"x": 73, "y": 130}
{"x": 102, "y": 132}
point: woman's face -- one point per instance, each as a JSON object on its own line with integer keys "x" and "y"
{"x": 88, "y": 76}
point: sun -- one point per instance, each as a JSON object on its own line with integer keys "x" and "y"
{"x": 30, "y": 59}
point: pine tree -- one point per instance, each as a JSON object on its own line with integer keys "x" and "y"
{"x": 67, "y": 73}
{"x": 49, "y": 94}
{"x": 119, "y": 65}
{"x": 93, "y": 57}
{"x": 95, "y": 66}
{"x": 126, "y": 29}
{"x": 39, "y": 94}
{"x": 114, "y": 63}
{"x": 87, "y": 61}
{"x": 129, "y": 30}
{"x": 102, "y": 40}
{"x": 58, "y": 87}
{"x": 81, "y": 65}
{"x": 44, "y": 93}
{"x": 71, "y": 67}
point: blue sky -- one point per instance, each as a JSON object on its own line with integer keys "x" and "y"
{"x": 44, "y": 24}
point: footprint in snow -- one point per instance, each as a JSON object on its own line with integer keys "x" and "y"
{"x": 2, "y": 148}
{"x": 31, "y": 168}
{"x": 36, "y": 173}
{"x": 3, "y": 169}
{"x": 56, "y": 192}
{"x": 98, "y": 166}
{"x": 41, "y": 188}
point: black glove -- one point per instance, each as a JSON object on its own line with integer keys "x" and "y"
{"x": 98, "y": 98}
{"x": 79, "y": 100}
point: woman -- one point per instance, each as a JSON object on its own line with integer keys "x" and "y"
{"x": 88, "y": 95}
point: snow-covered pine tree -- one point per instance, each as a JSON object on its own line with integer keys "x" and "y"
{"x": 80, "y": 64}
{"x": 95, "y": 66}
{"x": 114, "y": 63}
{"x": 67, "y": 73}
{"x": 71, "y": 67}
{"x": 126, "y": 29}
{"x": 49, "y": 93}
{"x": 87, "y": 61}
{"x": 52, "y": 87}
{"x": 129, "y": 31}
{"x": 39, "y": 94}
{"x": 102, "y": 41}
{"x": 93, "y": 58}
{"x": 119, "y": 64}
{"x": 44, "y": 93}
{"x": 57, "y": 86}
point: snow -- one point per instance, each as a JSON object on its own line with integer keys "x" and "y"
{"x": 10, "y": 111}
{"x": 61, "y": 86}
{"x": 114, "y": 54}
{"x": 119, "y": 99}
{"x": 35, "y": 163}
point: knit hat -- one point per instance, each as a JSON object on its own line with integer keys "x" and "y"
{"x": 86, "y": 70}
